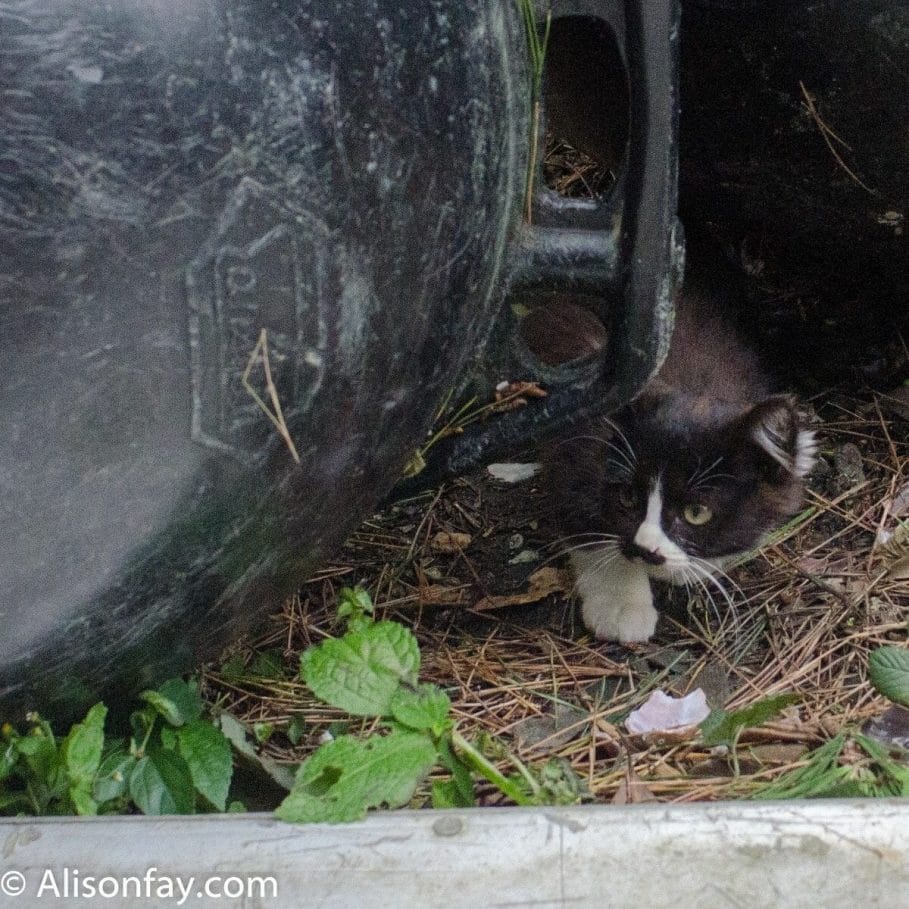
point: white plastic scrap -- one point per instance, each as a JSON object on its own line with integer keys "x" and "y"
{"x": 662, "y": 712}
{"x": 513, "y": 473}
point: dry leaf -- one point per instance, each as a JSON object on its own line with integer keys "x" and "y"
{"x": 896, "y": 547}
{"x": 541, "y": 583}
{"x": 848, "y": 462}
{"x": 899, "y": 570}
{"x": 777, "y": 753}
{"x": 442, "y": 595}
{"x": 444, "y": 541}
{"x": 900, "y": 503}
{"x": 662, "y": 713}
{"x": 512, "y": 395}
{"x": 552, "y": 730}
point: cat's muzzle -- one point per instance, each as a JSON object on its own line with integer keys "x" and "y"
{"x": 637, "y": 553}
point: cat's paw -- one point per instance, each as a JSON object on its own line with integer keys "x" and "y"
{"x": 628, "y": 622}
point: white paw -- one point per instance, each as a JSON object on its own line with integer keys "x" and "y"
{"x": 616, "y": 600}
{"x": 627, "y": 622}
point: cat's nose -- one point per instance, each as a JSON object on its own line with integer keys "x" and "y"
{"x": 634, "y": 551}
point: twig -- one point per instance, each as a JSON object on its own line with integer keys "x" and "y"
{"x": 276, "y": 416}
{"x": 827, "y": 133}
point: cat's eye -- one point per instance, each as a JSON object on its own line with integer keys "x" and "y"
{"x": 627, "y": 498}
{"x": 697, "y": 514}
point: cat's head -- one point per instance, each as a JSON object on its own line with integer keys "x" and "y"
{"x": 673, "y": 494}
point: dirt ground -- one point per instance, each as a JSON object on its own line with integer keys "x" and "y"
{"x": 470, "y": 569}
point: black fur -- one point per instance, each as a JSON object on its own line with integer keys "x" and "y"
{"x": 703, "y": 426}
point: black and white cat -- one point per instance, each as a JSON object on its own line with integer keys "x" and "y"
{"x": 696, "y": 470}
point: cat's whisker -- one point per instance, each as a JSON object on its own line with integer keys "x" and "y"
{"x": 708, "y": 596}
{"x": 609, "y": 556}
{"x": 578, "y": 547}
{"x": 606, "y": 541}
{"x": 704, "y": 570}
{"x": 622, "y": 468}
{"x": 611, "y": 553}
{"x": 708, "y": 573}
{"x": 710, "y": 480}
{"x": 626, "y": 451}
{"x": 618, "y": 431}
{"x": 606, "y": 537}
{"x": 699, "y": 475}
{"x": 717, "y": 572}
{"x": 708, "y": 475}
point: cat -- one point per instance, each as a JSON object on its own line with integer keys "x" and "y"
{"x": 696, "y": 470}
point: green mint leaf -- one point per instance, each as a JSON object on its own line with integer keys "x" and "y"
{"x": 722, "y": 727}
{"x": 160, "y": 783}
{"x": 81, "y": 751}
{"x": 559, "y": 784}
{"x": 209, "y": 758}
{"x": 346, "y": 777}
{"x": 268, "y": 665}
{"x": 361, "y": 672}
{"x": 8, "y": 758}
{"x": 452, "y": 794}
{"x": 83, "y": 803}
{"x": 236, "y": 734}
{"x": 445, "y": 794}
{"x": 295, "y": 729}
{"x": 41, "y": 757}
{"x": 888, "y": 669}
{"x": 112, "y": 779}
{"x": 83, "y": 746}
{"x": 177, "y": 701}
{"x": 234, "y": 667}
{"x": 460, "y": 773}
{"x": 355, "y": 604}
{"x": 426, "y": 707}
{"x": 164, "y": 706}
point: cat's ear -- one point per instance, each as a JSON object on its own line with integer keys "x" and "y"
{"x": 774, "y": 427}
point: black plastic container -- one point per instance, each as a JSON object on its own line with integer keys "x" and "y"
{"x": 245, "y": 249}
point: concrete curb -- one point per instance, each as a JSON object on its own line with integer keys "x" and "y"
{"x": 795, "y": 854}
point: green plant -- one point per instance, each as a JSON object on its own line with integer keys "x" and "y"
{"x": 849, "y": 764}
{"x": 372, "y": 671}
{"x": 852, "y": 764}
{"x": 722, "y": 727}
{"x": 536, "y": 48}
{"x": 888, "y": 670}
{"x": 175, "y": 761}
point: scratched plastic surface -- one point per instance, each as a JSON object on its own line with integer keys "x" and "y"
{"x": 175, "y": 178}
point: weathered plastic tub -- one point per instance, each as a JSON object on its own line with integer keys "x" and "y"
{"x": 245, "y": 250}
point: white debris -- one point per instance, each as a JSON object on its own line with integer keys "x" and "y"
{"x": 513, "y": 473}
{"x": 661, "y": 712}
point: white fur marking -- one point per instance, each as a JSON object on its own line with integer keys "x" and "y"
{"x": 769, "y": 444}
{"x": 805, "y": 452}
{"x": 651, "y": 536}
